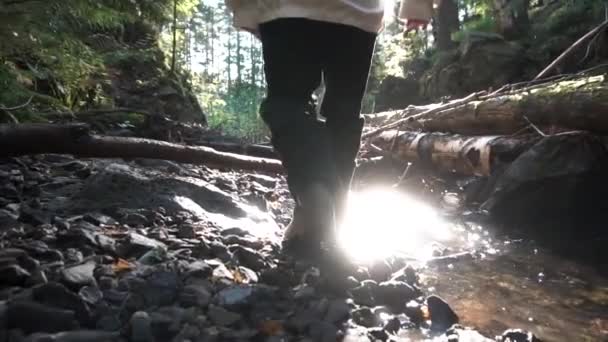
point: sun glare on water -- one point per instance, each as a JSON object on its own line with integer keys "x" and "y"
{"x": 380, "y": 223}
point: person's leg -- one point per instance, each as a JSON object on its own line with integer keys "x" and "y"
{"x": 292, "y": 57}
{"x": 346, "y": 64}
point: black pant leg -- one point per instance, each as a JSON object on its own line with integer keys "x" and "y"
{"x": 346, "y": 64}
{"x": 292, "y": 57}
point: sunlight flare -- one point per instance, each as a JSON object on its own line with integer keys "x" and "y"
{"x": 381, "y": 222}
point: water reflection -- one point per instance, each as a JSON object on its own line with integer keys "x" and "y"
{"x": 382, "y": 222}
{"x": 506, "y": 284}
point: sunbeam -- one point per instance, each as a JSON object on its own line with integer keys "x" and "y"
{"x": 382, "y": 222}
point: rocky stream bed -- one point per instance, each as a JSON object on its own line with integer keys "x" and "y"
{"x": 113, "y": 250}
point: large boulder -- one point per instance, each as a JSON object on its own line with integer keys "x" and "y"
{"x": 560, "y": 181}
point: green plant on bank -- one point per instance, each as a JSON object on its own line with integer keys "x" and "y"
{"x": 45, "y": 50}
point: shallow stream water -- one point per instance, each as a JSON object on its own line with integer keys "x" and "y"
{"x": 493, "y": 283}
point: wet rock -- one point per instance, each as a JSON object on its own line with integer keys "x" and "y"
{"x": 100, "y": 219}
{"x": 235, "y": 295}
{"x": 364, "y": 294}
{"x": 265, "y": 181}
{"x": 163, "y": 326}
{"x": 364, "y": 317}
{"x": 141, "y": 327}
{"x": 337, "y": 311}
{"x": 161, "y": 288}
{"x": 395, "y": 293}
{"x": 304, "y": 292}
{"x": 245, "y": 241}
{"x": 413, "y": 310}
{"x": 14, "y": 253}
{"x": 220, "y": 251}
{"x": 195, "y": 295}
{"x": 186, "y": 231}
{"x": 198, "y": 269}
{"x": 76, "y": 336}
{"x": 222, "y": 317}
{"x": 137, "y": 245}
{"x": 38, "y": 277}
{"x": 78, "y": 276}
{"x": 323, "y": 332}
{"x": 380, "y": 271}
{"x": 33, "y": 216}
{"x": 378, "y": 334}
{"x": 517, "y": 335}
{"x": 32, "y": 317}
{"x": 90, "y": 294}
{"x": 13, "y": 275}
{"x": 248, "y": 257}
{"x": 57, "y": 295}
{"x": 442, "y": 315}
{"x": 278, "y": 276}
{"x": 235, "y": 231}
{"x": 135, "y": 220}
{"x": 393, "y": 325}
{"x": 356, "y": 334}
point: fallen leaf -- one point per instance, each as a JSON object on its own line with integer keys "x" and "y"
{"x": 121, "y": 265}
{"x": 271, "y": 328}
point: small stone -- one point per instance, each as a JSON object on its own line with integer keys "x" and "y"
{"x": 338, "y": 311}
{"x": 378, "y": 334}
{"x": 141, "y": 330}
{"x": 195, "y": 295}
{"x": 222, "y": 317}
{"x": 90, "y": 294}
{"x": 442, "y": 315}
{"x": 235, "y": 231}
{"x": 29, "y": 263}
{"x": 138, "y": 245}
{"x": 161, "y": 288}
{"x": 135, "y": 220}
{"x": 198, "y": 269}
{"x": 365, "y": 317}
{"x": 248, "y": 257}
{"x": 15, "y": 253}
{"x": 76, "y": 336}
{"x": 364, "y": 295}
{"x": 380, "y": 271}
{"x": 32, "y": 317}
{"x": 13, "y": 275}
{"x": 38, "y": 277}
{"x": 413, "y": 310}
{"x": 393, "y": 325}
{"x": 100, "y": 219}
{"x": 518, "y": 335}
{"x": 323, "y": 332}
{"x": 304, "y": 292}
{"x": 246, "y": 241}
{"x": 186, "y": 231}
{"x": 57, "y": 295}
{"x": 235, "y": 295}
{"x": 395, "y": 293}
{"x": 79, "y": 276}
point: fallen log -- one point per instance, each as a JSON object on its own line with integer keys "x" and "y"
{"x": 466, "y": 155}
{"x": 574, "y": 104}
{"x": 580, "y": 104}
{"x": 76, "y": 139}
{"x": 254, "y": 150}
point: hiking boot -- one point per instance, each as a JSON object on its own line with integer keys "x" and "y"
{"x": 313, "y": 220}
{"x": 345, "y": 141}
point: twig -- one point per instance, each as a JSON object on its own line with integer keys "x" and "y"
{"x": 27, "y": 103}
{"x": 542, "y": 134}
{"x": 571, "y": 49}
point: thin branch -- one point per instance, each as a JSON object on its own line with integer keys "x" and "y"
{"x": 541, "y": 133}
{"x": 27, "y": 103}
{"x": 572, "y": 48}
